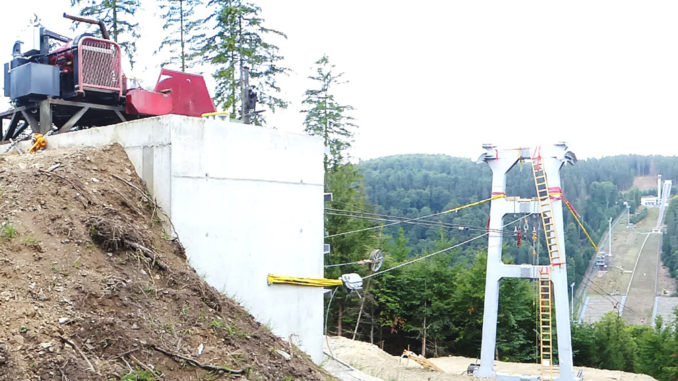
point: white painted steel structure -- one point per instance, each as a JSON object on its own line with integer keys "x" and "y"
{"x": 500, "y": 162}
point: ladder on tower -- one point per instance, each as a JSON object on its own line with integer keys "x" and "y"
{"x": 546, "y": 210}
{"x": 545, "y": 328}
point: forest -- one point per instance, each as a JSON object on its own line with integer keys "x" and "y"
{"x": 435, "y": 305}
{"x": 418, "y": 185}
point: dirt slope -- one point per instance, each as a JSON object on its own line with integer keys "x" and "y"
{"x": 644, "y": 183}
{"x": 92, "y": 288}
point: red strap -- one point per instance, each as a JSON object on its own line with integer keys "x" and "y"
{"x": 520, "y": 237}
{"x": 569, "y": 205}
{"x": 555, "y": 193}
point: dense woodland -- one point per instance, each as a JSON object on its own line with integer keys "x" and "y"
{"x": 418, "y": 185}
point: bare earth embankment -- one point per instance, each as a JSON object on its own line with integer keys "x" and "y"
{"x": 92, "y": 287}
{"x": 373, "y": 361}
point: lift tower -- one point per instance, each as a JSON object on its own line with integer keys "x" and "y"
{"x": 551, "y": 278}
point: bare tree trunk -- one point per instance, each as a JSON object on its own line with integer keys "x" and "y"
{"x": 357, "y": 323}
{"x": 423, "y": 338}
{"x": 339, "y": 313}
{"x": 371, "y": 324}
{"x": 360, "y": 313}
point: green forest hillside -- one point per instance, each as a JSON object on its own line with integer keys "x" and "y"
{"x": 419, "y": 185}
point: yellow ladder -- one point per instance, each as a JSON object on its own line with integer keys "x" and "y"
{"x": 546, "y": 210}
{"x": 545, "y": 329}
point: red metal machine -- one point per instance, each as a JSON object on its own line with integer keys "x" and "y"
{"x": 81, "y": 84}
{"x": 174, "y": 93}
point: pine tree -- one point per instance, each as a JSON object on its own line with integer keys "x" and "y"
{"x": 234, "y": 38}
{"x": 325, "y": 117}
{"x": 345, "y": 184}
{"x": 118, "y": 16}
{"x": 350, "y": 238}
{"x": 180, "y": 23}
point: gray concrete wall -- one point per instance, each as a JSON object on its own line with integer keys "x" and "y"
{"x": 245, "y": 201}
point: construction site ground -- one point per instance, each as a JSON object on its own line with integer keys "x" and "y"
{"x": 645, "y": 183}
{"x": 633, "y": 277}
{"x": 93, "y": 288}
{"x": 374, "y": 362}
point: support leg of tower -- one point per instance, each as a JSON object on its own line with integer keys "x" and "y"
{"x": 490, "y": 313}
{"x": 562, "y": 310}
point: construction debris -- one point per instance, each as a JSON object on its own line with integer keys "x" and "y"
{"x": 421, "y": 360}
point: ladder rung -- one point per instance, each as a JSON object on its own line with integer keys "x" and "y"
{"x": 552, "y": 244}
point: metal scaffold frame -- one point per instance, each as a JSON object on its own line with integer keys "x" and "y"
{"x": 552, "y": 279}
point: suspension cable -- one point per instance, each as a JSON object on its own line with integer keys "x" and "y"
{"x": 494, "y": 197}
{"x": 440, "y": 251}
{"x": 574, "y": 214}
{"x": 386, "y": 218}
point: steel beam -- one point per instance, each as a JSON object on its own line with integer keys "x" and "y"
{"x": 12, "y": 126}
{"x": 45, "y": 116}
{"x": 90, "y": 105}
{"x": 74, "y": 119}
{"x": 119, "y": 114}
{"x": 31, "y": 121}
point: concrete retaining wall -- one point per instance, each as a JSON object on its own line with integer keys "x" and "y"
{"x": 245, "y": 201}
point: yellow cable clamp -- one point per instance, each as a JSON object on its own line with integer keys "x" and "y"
{"x": 216, "y": 113}
{"x": 39, "y": 143}
{"x": 353, "y": 282}
{"x": 299, "y": 281}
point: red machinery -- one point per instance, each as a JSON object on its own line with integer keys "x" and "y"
{"x": 81, "y": 84}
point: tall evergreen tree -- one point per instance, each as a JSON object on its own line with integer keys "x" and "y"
{"x": 345, "y": 184}
{"x": 615, "y": 344}
{"x": 325, "y": 117}
{"x": 350, "y": 238}
{"x": 118, "y": 15}
{"x": 180, "y": 23}
{"x": 233, "y": 38}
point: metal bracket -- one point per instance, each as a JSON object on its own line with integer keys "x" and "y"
{"x": 31, "y": 121}
{"x": 74, "y": 119}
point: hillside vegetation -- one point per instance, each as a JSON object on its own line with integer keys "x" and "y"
{"x": 419, "y": 185}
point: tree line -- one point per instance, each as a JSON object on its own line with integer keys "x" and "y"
{"x": 225, "y": 35}
{"x": 670, "y": 239}
{"x": 413, "y": 186}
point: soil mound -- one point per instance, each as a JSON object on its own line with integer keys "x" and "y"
{"x": 377, "y": 363}
{"x": 91, "y": 287}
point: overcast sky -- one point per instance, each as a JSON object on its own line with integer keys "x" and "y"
{"x": 447, "y": 76}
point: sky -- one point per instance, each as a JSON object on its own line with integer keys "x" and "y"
{"x": 448, "y": 76}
